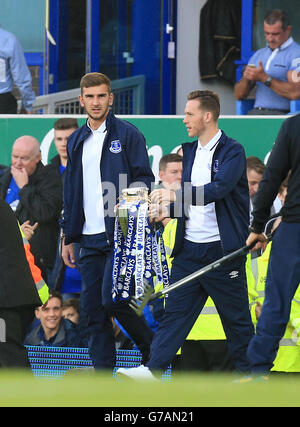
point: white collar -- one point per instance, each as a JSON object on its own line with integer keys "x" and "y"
{"x": 101, "y": 128}
{"x": 212, "y": 143}
{"x": 284, "y": 45}
{"x": 275, "y": 51}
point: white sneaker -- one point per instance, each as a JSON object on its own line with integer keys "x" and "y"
{"x": 140, "y": 373}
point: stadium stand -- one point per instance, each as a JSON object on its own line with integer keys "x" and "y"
{"x": 55, "y": 362}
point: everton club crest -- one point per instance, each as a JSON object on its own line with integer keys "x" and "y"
{"x": 115, "y": 147}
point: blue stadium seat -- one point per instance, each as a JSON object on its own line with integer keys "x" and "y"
{"x": 295, "y": 106}
{"x": 244, "y": 105}
{"x": 54, "y": 362}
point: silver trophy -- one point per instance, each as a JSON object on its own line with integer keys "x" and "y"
{"x": 130, "y": 196}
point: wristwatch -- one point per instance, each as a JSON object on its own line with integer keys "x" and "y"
{"x": 268, "y": 81}
{"x": 254, "y": 230}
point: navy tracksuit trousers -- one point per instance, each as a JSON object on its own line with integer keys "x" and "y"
{"x": 226, "y": 286}
{"x": 96, "y": 259}
{"x": 282, "y": 281}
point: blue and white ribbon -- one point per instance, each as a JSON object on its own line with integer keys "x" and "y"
{"x": 159, "y": 258}
{"x": 124, "y": 257}
{"x": 140, "y": 254}
{"x": 140, "y": 249}
{"x": 163, "y": 258}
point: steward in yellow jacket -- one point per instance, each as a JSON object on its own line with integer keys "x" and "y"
{"x": 288, "y": 356}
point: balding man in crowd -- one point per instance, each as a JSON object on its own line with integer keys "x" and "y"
{"x": 34, "y": 193}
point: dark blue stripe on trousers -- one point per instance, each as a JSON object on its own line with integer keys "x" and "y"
{"x": 228, "y": 289}
{"x": 96, "y": 259}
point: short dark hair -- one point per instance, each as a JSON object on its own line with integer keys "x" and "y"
{"x": 72, "y": 302}
{"x": 254, "y": 163}
{"x": 275, "y": 15}
{"x": 56, "y": 294}
{"x": 169, "y": 158}
{"x": 94, "y": 79}
{"x": 209, "y": 101}
{"x": 66, "y": 123}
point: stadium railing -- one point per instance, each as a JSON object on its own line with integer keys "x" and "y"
{"x": 129, "y": 96}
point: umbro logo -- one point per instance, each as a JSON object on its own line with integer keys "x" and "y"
{"x": 233, "y": 274}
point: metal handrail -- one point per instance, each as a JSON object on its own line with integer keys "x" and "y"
{"x": 129, "y": 96}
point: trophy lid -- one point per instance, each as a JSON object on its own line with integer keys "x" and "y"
{"x": 135, "y": 193}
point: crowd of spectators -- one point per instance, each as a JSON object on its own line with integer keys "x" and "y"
{"x": 59, "y": 322}
{"x": 35, "y": 194}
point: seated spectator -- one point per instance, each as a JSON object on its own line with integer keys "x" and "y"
{"x": 54, "y": 330}
{"x": 255, "y": 171}
{"x": 170, "y": 171}
{"x": 64, "y": 279}
{"x": 34, "y": 193}
{"x": 63, "y": 128}
{"x": 272, "y": 70}
{"x": 71, "y": 308}
{"x": 73, "y": 312}
{"x": 3, "y": 169}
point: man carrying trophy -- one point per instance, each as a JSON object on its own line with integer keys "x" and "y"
{"x": 105, "y": 156}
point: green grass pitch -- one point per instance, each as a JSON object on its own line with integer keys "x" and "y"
{"x": 81, "y": 389}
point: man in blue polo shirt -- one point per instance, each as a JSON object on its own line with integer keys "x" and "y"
{"x": 273, "y": 70}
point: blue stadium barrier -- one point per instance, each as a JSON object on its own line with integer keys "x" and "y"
{"x": 54, "y": 362}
